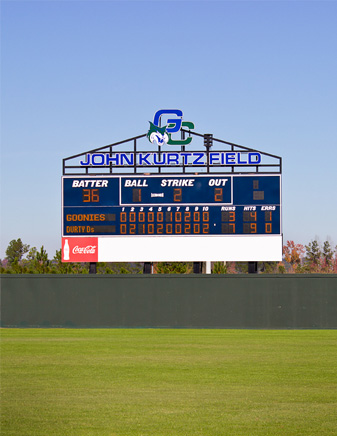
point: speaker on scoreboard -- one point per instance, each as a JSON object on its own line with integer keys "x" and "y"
{"x": 208, "y": 140}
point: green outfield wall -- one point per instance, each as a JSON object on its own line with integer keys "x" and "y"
{"x": 256, "y": 301}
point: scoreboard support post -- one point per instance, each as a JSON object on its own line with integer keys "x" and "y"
{"x": 197, "y": 267}
{"x": 147, "y": 269}
{"x": 93, "y": 268}
{"x": 252, "y": 267}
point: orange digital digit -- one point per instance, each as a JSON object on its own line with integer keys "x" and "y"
{"x": 187, "y": 216}
{"x": 136, "y": 195}
{"x": 253, "y": 228}
{"x": 187, "y": 228}
{"x": 268, "y": 227}
{"x": 141, "y": 217}
{"x": 160, "y": 228}
{"x": 123, "y": 217}
{"x": 196, "y": 216}
{"x": 205, "y": 216}
{"x": 160, "y": 217}
{"x": 123, "y": 229}
{"x": 132, "y": 229}
{"x": 268, "y": 215}
{"x": 253, "y": 216}
{"x": 132, "y": 217}
{"x": 231, "y": 216}
{"x": 178, "y": 228}
{"x": 95, "y": 195}
{"x": 205, "y": 228}
{"x": 230, "y": 228}
{"x": 218, "y": 194}
{"x": 178, "y": 217}
{"x": 141, "y": 229}
{"x": 86, "y": 195}
{"x": 169, "y": 228}
{"x": 196, "y": 228}
{"x": 150, "y": 229}
{"x": 150, "y": 217}
{"x": 177, "y": 194}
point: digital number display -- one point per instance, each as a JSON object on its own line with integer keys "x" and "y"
{"x": 172, "y": 205}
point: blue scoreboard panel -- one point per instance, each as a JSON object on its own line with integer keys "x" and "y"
{"x": 164, "y": 205}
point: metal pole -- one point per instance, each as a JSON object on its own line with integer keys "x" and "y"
{"x": 147, "y": 268}
{"x": 197, "y": 267}
{"x": 252, "y": 267}
{"x": 92, "y": 268}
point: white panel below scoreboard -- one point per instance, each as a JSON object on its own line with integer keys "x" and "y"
{"x": 190, "y": 248}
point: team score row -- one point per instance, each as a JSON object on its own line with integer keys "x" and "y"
{"x": 164, "y": 229}
{"x": 167, "y": 217}
{"x": 229, "y": 228}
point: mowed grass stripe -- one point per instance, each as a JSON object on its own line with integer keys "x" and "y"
{"x": 168, "y": 382}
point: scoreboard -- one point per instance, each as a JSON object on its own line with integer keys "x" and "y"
{"x": 189, "y": 216}
{"x": 171, "y": 205}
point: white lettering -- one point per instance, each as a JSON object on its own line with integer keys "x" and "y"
{"x": 89, "y": 249}
{"x": 177, "y": 182}
{"x": 135, "y": 183}
{"x": 217, "y": 182}
{"x": 90, "y": 183}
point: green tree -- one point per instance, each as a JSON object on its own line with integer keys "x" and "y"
{"x": 313, "y": 256}
{"x": 281, "y": 269}
{"x": 41, "y": 261}
{"x": 327, "y": 255}
{"x": 171, "y": 268}
{"x": 31, "y": 256}
{"x": 59, "y": 267}
{"x": 241, "y": 267}
{"x": 15, "y": 267}
{"x": 269, "y": 268}
{"x": 219, "y": 268}
{"x": 16, "y": 250}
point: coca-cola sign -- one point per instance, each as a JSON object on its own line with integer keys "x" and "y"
{"x": 80, "y": 249}
{"x": 89, "y": 249}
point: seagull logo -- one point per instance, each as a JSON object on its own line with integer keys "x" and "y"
{"x": 157, "y": 134}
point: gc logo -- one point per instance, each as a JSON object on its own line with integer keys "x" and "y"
{"x": 162, "y": 135}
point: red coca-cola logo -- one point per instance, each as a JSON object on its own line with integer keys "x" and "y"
{"x": 83, "y": 249}
{"x": 89, "y": 249}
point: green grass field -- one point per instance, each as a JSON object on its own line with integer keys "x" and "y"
{"x": 168, "y": 382}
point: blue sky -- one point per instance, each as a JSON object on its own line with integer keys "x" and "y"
{"x": 82, "y": 74}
